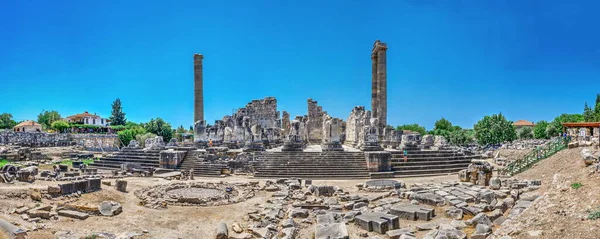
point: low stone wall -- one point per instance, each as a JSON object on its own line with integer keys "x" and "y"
{"x": 96, "y": 142}
{"x": 91, "y": 142}
{"x": 34, "y": 139}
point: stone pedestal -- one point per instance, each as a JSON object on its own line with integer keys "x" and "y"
{"x": 289, "y": 145}
{"x": 380, "y": 161}
{"x": 371, "y": 146}
{"x": 254, "y": 146}
{"x": 170, "y": 159}
{"x": 333, "y": 146}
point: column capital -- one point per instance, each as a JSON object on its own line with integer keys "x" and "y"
{"x": 198, "y": 56}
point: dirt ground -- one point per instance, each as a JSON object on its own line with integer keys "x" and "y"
{"x": 562, "y": 211}
{"x": 512, "y": 154}
{"x": 173, "y": 222}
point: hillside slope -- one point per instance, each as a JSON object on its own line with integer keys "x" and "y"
{"x": 562, "y": 211}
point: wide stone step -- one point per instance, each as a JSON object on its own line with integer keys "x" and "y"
{"x": 409, "y": 162}
{"x": 310, "y": 176}
{"x": 129, "y": 159}
{"x": 427, "y": 171}
{"x": 435, "y": 159}
{"x": 431, "y": 166}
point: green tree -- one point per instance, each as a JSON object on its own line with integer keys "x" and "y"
{"x": 159, "y": 127}
{"x": 117, "y": 117}
{"x": 597, "y": 112}
{"x": 191, "y": 129}
{"x": 60, "y": 126}
{"x": 443, "y": 124}
{"x": 461, "y": 137}
{"x": 179, "y": 133}
{"x": 130, "y": 134}
{"x": 6, "y": 121}
{"x": 588, "y": 114}
{"x": 525, "y": 133}
{"x": 539, "y": 130}
{"x": 551, "y": 131}
{"x": 46, "y": 118}
{"x": 443, "y": 127}
{"x": 413, "y": 127}
{"x": 563, "y": 118}
{"x": 494, "y": 129}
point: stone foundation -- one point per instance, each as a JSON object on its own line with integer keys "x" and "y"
{"x": 380, "y": 161}
{"x": 170, "y": 159}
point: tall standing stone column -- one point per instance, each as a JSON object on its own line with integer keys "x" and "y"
{"x": 198, "y": 92}
{"x": 382, "y": 85}
{"x": 379, "y": 83}
{"x": 374, "y": 83}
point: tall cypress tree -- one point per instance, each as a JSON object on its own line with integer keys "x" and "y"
{"x": 117, "y": 117}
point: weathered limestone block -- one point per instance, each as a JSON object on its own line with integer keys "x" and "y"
{"x": 315, "y": 122}
{"x": 170, "y": 159}
{"x": 371, "y": 136}
{"x": 359, "y": 117}
{"x": 440, "y": 141}
{"x": 200, "y": 131}
{"x": 110, "y": 208}
{"x": 410, "y": 140}
{"x": 133, "y": 144}
{"x": 294, "y": 140}
{"x": 588, "y": 157}
{"x": 222, "y": 232}
{"x": 155, "y": 143}
{"x": 378, "y": 222}
{"x": 380, "y": 161}
{"x": 427, "y": 141}
{"x": 412, "y": 212}
{"x": 121, "y": 185}
{"x": 331, "y": 134}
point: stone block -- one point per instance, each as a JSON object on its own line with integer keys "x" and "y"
{"x": 331, "y": 231}
{"x": 67, "y": 188}
{"x": 170, "y": 159}
{"x": 378, "y": 222}
{"x": 379, "y": 161}
{"x": 94, "y": 184}
{"x": 397, "y": 233}
{"x": 73, "y": 214}
{"x": 412, "y": 212}
{"x": 80, "y": 186}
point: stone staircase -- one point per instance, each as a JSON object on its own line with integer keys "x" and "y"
{"x": 201, "y": 168}
{"x": 429, "y": 162}
{"x": 146, "y": 158}
{"x": 309, "y": 165}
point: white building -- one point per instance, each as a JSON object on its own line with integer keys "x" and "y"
{"x": 89, "y": 119}
{"x": 28, "y": 126}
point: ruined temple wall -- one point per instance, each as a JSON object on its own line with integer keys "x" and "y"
{"x": 315, "y": 122}
{"x": 92, "y": 142}
{"x": 359, "y": 117}
{"x": 262, "y": 112}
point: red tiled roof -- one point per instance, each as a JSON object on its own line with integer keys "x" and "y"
{"x": 27, "y": 123}
{"x": 523, "y": 123}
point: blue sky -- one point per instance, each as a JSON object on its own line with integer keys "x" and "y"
{"x": 456, "y": 59}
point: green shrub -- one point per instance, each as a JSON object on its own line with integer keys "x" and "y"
{"x": 142, "y": 138}
{"x": 130, "y": 134}
{"x": 525, "y": 133}
{"x": 576, "y": 185}
{"x": 594, "y": 215}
